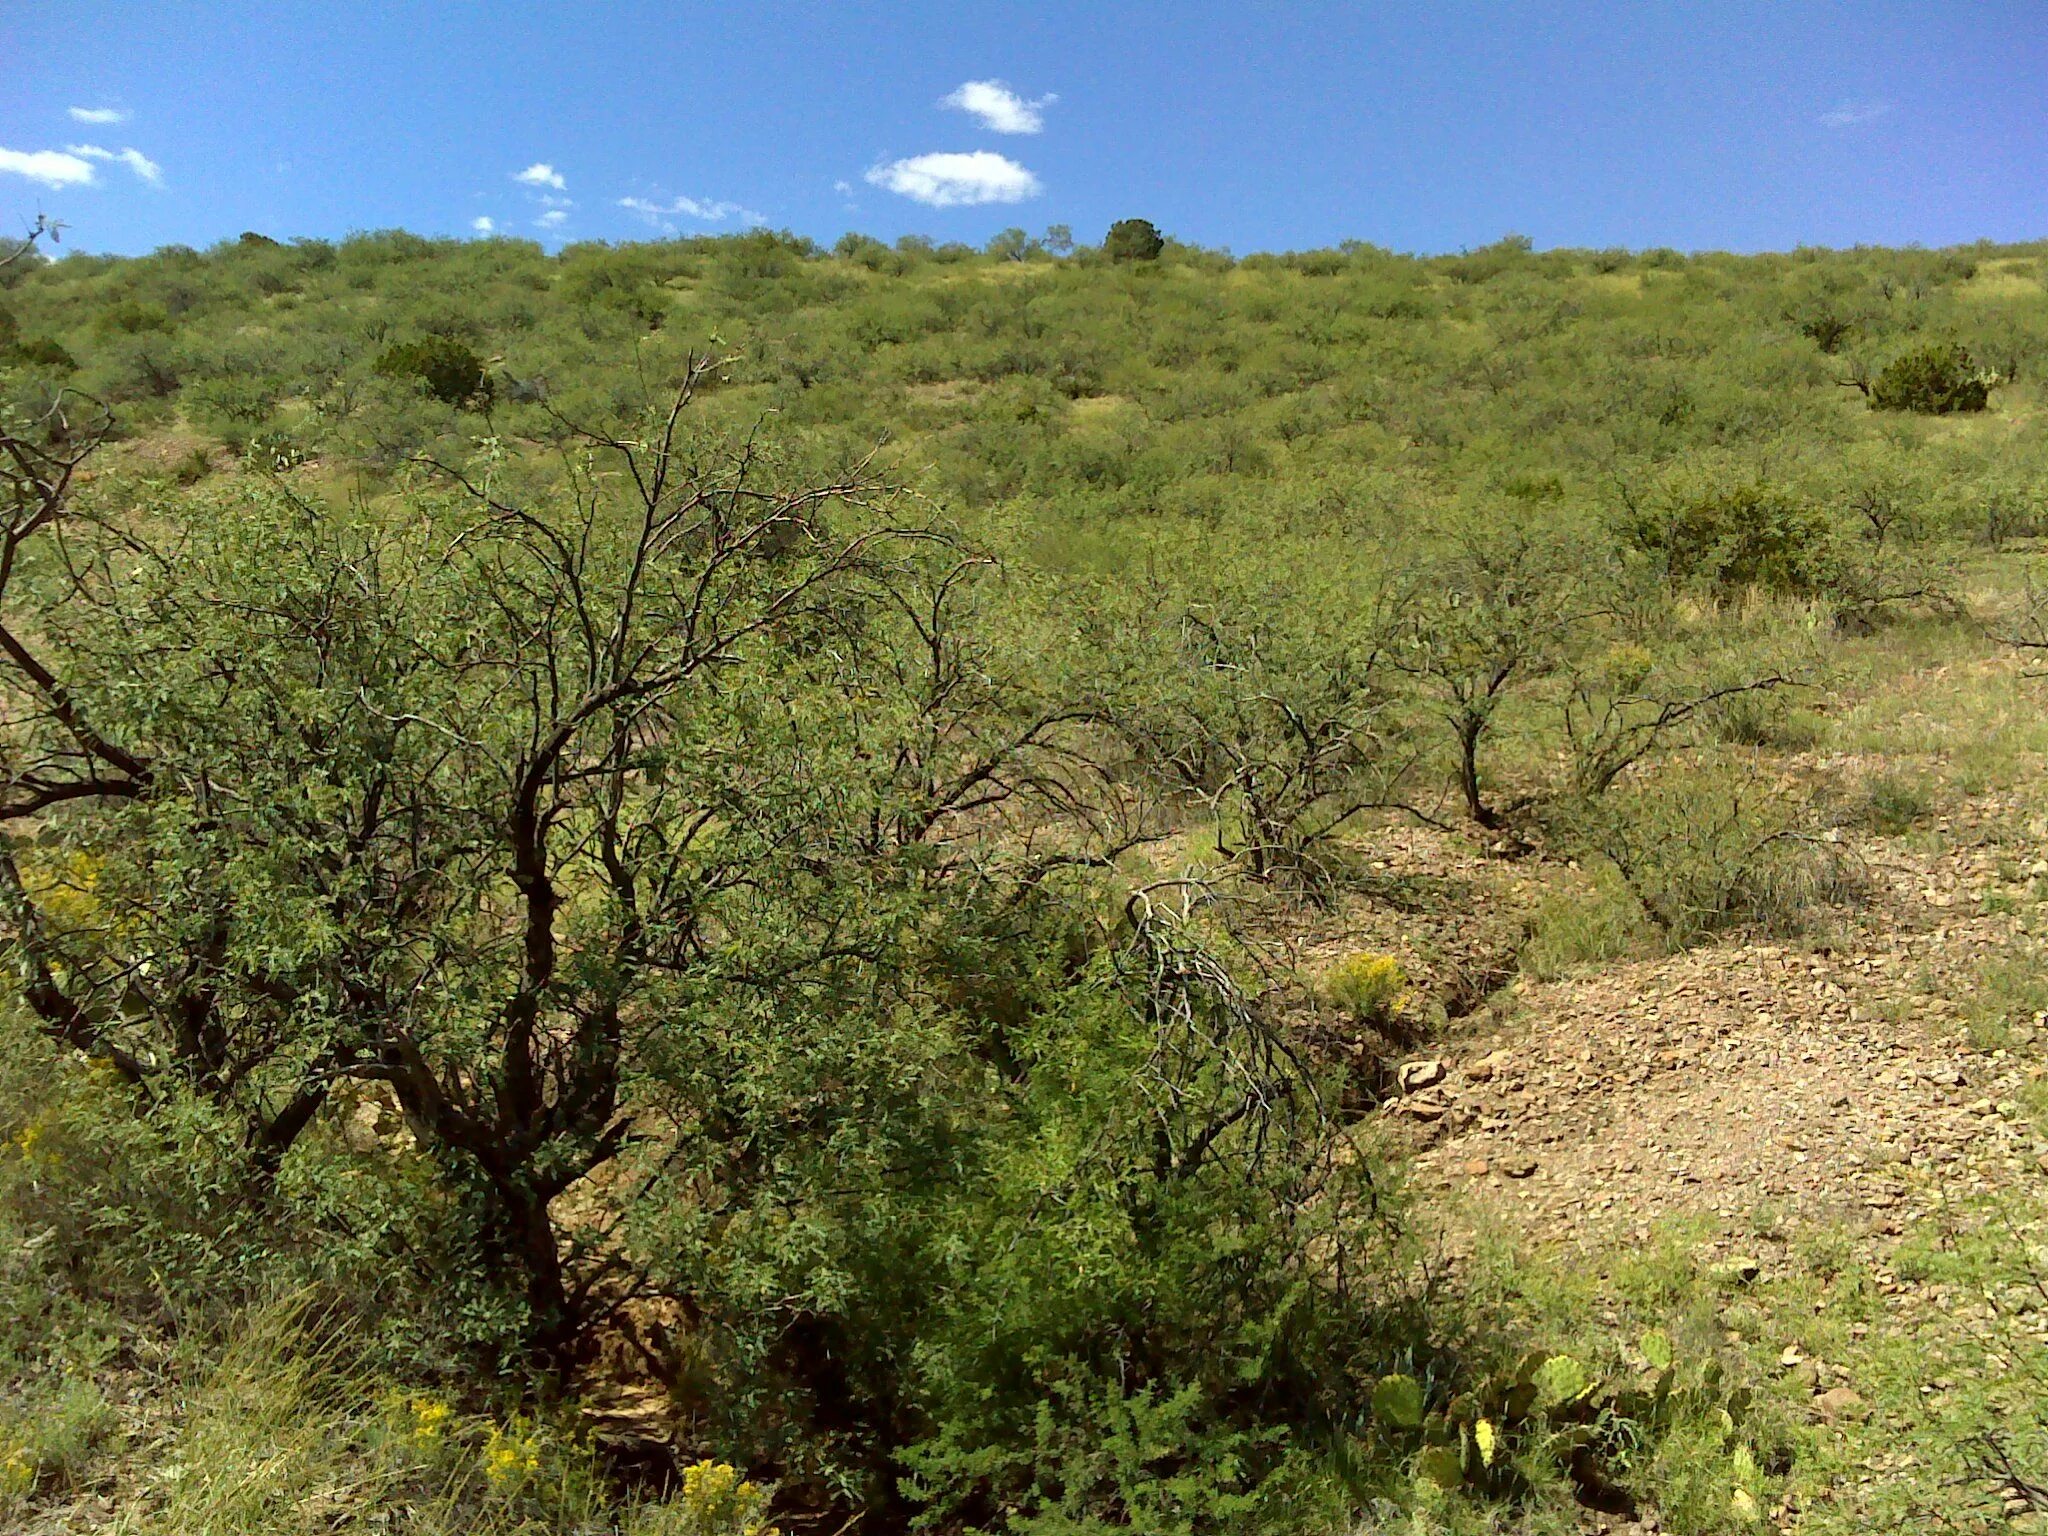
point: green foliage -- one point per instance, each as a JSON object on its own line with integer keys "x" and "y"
{"x": 1891, "y": 804}
{"x": 1592, "y": 920}
{"x": 2007, "y": 1007}
{"x": 1486, "y": 617}
{"x": 1273, "y": 712}
{"x": 939, "y": 1150}
{"x": 450, "y": 371}
{"x": 1397, "y": 1402}
{"x": 1133, "y": 240}
{"x": 1735, "y": 538}
{"x": 943, "y": 1190}
{"x": 1938, "y": 379}
{"x": 1552, "y": 1418}
{"x": 1717, "y": 847}
{"x": 39, "y": 352}
{"x": 49, "y": 1438}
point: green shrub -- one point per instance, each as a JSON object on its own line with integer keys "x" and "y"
{"x": 2008, "y": 1002}
{"x": 131, "y": 317}
{"x": 274, "y": 450}
{"x": 34, "y": 352}
{"x": 232, "y": 407}
{"x": 451, "y": 372}
{"x": 1715, "y": 848}
{"x": 1891, "y": 804}
{"x": 41, "y": 352}
{"x": 1741, "y": 537}
{"x": 1762, "y": 718}
{"x": 1133, "y": 240}
{"x": 1593, "y": 919}
{"x": 1938, "y": 379}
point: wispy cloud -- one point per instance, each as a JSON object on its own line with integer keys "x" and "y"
{"x": 957, "y": 180}
{"x": 663, "y": 215}
{"x": 998, "y": 108}
{"x": 554, "y": 218}
{"x": 484, "y": 224}
{"x": 99, "y": 115}
{"x": 134, "y": 159}
{"x": 1851, "y": 114}
{"x": 541, "y": 174}
{"x": 53, "y": 168}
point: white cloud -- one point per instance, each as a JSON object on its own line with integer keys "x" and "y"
{"x": 554, "y": 218}
{"x": 998, "y": 108}
{"x": 99, "y": 114}
{"x": 541, "y": 174}
{"x": 843, "y": 188}
{"x": 1851, "y": 114}
{"x": 484, "y": 224}
{"x": 956, "y": 180}
{"x": 134, "y": 159}
{"x": 48, "y": 166}
{"x": 663, "y": 215}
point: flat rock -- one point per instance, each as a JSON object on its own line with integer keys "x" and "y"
{"x": 1412, "y": 1075}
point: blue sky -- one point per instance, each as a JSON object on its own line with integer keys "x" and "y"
{"x": 1425, "y": 127}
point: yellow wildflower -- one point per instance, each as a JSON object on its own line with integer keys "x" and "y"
{"x": 429, "y": 1419}
{"x": 511, "y": 1456}
{"x": 1372, "y": 988}
{"x": 17, "y": 1472}
{"x": 717, "y": 1501}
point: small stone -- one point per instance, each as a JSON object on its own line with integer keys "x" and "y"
{"x": 1743, "y": 1270}
{"x": 1518, "y": 1167}
{"x": 1840, "y": 1403}
{"x": 1478, "y": 1168}
{"x": 1487, "y": 1067}
{"x": 1412, "y": 1075}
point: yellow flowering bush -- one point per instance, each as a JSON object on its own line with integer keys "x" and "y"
{"x": 511, "y": 1455}
{"x": 429, "y": 1421}
{"x": 1371, "y": 987}
{"x": 17, "y": 1472}
{"x": 25, "y": 1142}
{"x": 717, "y": 1501}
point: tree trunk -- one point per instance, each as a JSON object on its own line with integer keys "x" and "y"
{"x": 1470, "y": 728}
{"x": 554, "y": 1331}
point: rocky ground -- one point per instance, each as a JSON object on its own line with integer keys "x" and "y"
{"x": 1754, "y": 1083}
{"x": 1862, "y": 1083}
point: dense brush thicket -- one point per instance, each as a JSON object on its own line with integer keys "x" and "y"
{"x": 683, "y": 812}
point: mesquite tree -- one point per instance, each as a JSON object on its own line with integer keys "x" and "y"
{"x": 488, "y": 798}
{"x": 1488, "y": 616}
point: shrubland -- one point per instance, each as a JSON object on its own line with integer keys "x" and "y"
{"x": 724, "y": 819}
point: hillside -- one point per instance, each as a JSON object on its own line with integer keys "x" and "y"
{"x": 1009, "y": 892}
